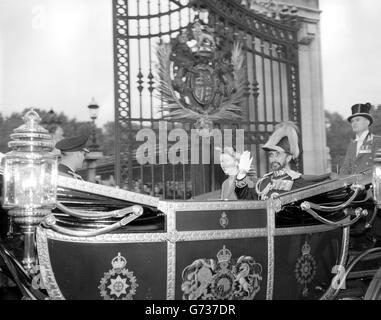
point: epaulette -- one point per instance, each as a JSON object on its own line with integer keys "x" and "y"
{"x": 293, "y": 174}
{"x": 75, "y": 175}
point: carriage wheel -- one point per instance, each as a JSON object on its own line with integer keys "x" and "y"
{"x": 374, "y": 289}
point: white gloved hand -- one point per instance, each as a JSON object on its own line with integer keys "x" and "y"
{"x": 244, "y": 165}
{"x": 228, "y": 161}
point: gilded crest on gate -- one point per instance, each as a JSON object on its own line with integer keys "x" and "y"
{"x": 202, "y": 84}
{"x": 201, "y": 78}
{"x": 305, "y": 268}
{"x": 118, "y": 283}
{"x": 224, "y": 279}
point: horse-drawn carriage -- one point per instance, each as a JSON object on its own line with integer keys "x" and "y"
{"x": 98, "y": 242}
{"x": 105, "y": 243}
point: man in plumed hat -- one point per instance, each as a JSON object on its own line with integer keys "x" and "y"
{"x": 73, "y": 152}
{"x": 282, "y": 148}
{"x": 360, "y": 152}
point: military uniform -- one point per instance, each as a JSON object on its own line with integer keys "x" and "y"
{"x": 282, "y": 144}
{"x": 356, "y": 162}
{"x": 360, "y": 159}
{"x": 73, "y": 144}
{"x": 364, "y": 160}
{"x": 68, "y": 172}
{"x": 272, "y": 183}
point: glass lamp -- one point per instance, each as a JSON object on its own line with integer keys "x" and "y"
{"x": 93, "y": 109}
{"x": 30, "y": 179}
{"x": 376, "y": 179}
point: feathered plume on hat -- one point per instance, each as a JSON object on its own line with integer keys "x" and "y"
{"x": 284, "y": 138}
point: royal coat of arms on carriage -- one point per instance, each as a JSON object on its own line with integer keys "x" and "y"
{"x": 201, "y": 77}
{"x": 224, "y": 279}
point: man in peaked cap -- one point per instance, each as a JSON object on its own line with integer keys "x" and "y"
{"x": 360, "y": 152}
{"x": 282, "y": 148}
{"x": 73, "y": 151}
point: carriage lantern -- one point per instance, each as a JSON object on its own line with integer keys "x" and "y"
{"x": 30, "y": 179}
{"x": 376, "y": 181}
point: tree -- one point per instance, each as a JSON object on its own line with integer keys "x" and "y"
{"x": 51, "y": 121}
{"x": 108, "y": 138}
{"x": 7, "y": 126}
{"x": 339, "y": 134}
{"x": 376, "y": 127}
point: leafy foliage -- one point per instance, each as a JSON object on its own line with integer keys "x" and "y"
{"x": 339, "y": 134}
{"x": 51, "y": 121}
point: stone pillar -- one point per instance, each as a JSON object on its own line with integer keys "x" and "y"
{"x": 91, "y": 164}
{"x": 311, "y": 88}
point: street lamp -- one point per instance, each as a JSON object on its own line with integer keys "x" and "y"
{"x": 95, "y": 152}
{"x": 30, "y": 180}
{"x": 93, "y": 112}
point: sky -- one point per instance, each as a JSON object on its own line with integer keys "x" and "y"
{"x": 351, "y": 53}
{"x": 57, "y": 54}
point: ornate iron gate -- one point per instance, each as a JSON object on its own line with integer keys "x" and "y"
{"x": 271, "y": 52}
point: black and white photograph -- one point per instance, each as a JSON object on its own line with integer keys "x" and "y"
{"x": 164, "y": 151}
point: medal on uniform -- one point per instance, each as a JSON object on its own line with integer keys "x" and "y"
{"x": 365, "y": 148}
{"x": 284, "y": 185}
